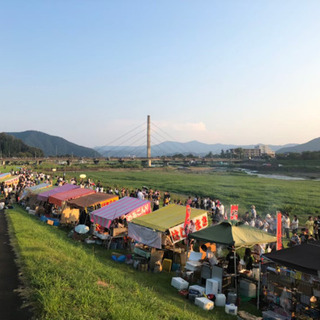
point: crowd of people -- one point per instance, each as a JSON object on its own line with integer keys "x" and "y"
{"x": 291, "y": 229}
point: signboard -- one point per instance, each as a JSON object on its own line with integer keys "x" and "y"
{"x": 141, "y": 211}
{"x": 234, "y": 212}
{"x": 279, "y": 227}
{"x": 178, "y": 233}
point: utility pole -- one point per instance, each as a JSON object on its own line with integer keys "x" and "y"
{"x": 148, "y": 142}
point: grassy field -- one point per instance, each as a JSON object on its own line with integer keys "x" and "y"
{"x": 66, "y": 279}
{"x": 268, "y": 195}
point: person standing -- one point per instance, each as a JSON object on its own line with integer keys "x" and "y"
{"x": 295, "y": 224}
{"x": 286, "y": 225}
{"x": 253, "y": 212}
{"x": 316, "y": 227}
{"x": 248, "y": 259}
{"x": 310, "y": 225}
{"x": 230, "y": 259}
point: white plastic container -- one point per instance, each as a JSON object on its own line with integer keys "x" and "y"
{"x": 193, "y": 265}
{"x": 195, "y": 256}
{"x": 220, "y": 300}
{"x": 197, "y": 288}
{"x": 204, "y": 303}
{"x": 212, "y": 286}
{"x": 219, "y": 282}
{"x": 179, "y": 283}
{"x": 231, "y": 309}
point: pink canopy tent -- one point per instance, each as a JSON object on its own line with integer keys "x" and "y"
{"x": 66, "y": 187}
{"x": 59, "y": 198}
{"x": 129, "y": 207}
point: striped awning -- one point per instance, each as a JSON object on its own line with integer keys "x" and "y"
{"x": 127, "y": 206}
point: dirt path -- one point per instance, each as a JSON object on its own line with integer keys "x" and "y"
{"x": 10, "y": 301}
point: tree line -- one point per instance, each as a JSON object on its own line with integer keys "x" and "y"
{"x": 13, "y": 147}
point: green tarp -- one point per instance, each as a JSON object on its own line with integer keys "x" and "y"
{"x": 166, "y": 217}
{"x": 238, "y": 235}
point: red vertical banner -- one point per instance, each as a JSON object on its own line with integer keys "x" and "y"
{"x": 186, "y": 226}
{"x": 279, "y": 228}
{"x": 234, "y": 211}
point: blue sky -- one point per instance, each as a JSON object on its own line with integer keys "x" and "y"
{"x": 241, "y": 72}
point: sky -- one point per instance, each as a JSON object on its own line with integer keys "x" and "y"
{"x": 233, "y": 72}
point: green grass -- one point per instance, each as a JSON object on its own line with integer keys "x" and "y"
{"x": 62, "y": 279}
{"x": 268, "y": 195}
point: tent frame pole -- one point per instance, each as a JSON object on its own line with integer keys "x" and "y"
{"x": 259, "y": 284}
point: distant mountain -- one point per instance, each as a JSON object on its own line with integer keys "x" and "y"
{"x": 313, "y": 145}
{"x": 52, "y": 145}
{"x": 14, "y": 147}
{"x": 170, "y": 148}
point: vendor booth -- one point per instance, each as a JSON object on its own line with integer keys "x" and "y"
{"x": 59, "y": 199}
{"x": 169, "y": 221}
{"x": 125, "y": 209}
{"x": 78, "y": 209}
{"x": 235, "y": 235}
{"x": 34, "y": 189}
{"x": 11, "y": 181}
{"x": 292, "y": 282}
{"x": 94, "y": 200}
{"x": 5, "y": 175}
{"x": 66, "y": 187}
{"x": 127, "y": 206}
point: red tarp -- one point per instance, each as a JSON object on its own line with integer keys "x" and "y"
{"x": 66, "y": 187}
{"x": 59, "y": 198}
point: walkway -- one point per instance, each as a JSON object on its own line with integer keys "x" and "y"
{"x": 10, "y": 301}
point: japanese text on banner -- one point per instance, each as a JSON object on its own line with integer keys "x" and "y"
{"x": 178, "y": 233}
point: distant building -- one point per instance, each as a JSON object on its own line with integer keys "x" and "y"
{"x": 258, "y": 151}
{"x": 252, "y": 153}
{"x": 266, "y": 150}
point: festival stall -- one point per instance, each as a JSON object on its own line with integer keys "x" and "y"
{"x": 93, "y": 201}
{"x": 5, "y": 175}
{"x": 111, "y": 220}
{"x": 66, "y": 187}
{"x": 234, "y": 235}
{"x": 160, "y": 234}
{"x": 79, "y": 208}
{"x": 292, "y": 282}
{"x": 169, "y": 221}
{"x": 127, "y": 207}
{"x": 11, "y": 181}
{"x": 34, "y": 189}
{"x": 59, "y": 199}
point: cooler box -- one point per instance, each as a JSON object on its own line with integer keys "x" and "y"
{"x": 212, "y": 286}
{"x": 219, "y": 280}
{"x": 193, "y": 265}
{"x": 248, "y": 289}
{"x": 199, "y": 289}
{"x": 179, "y": 283}
{"x": 204, "y": 303}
